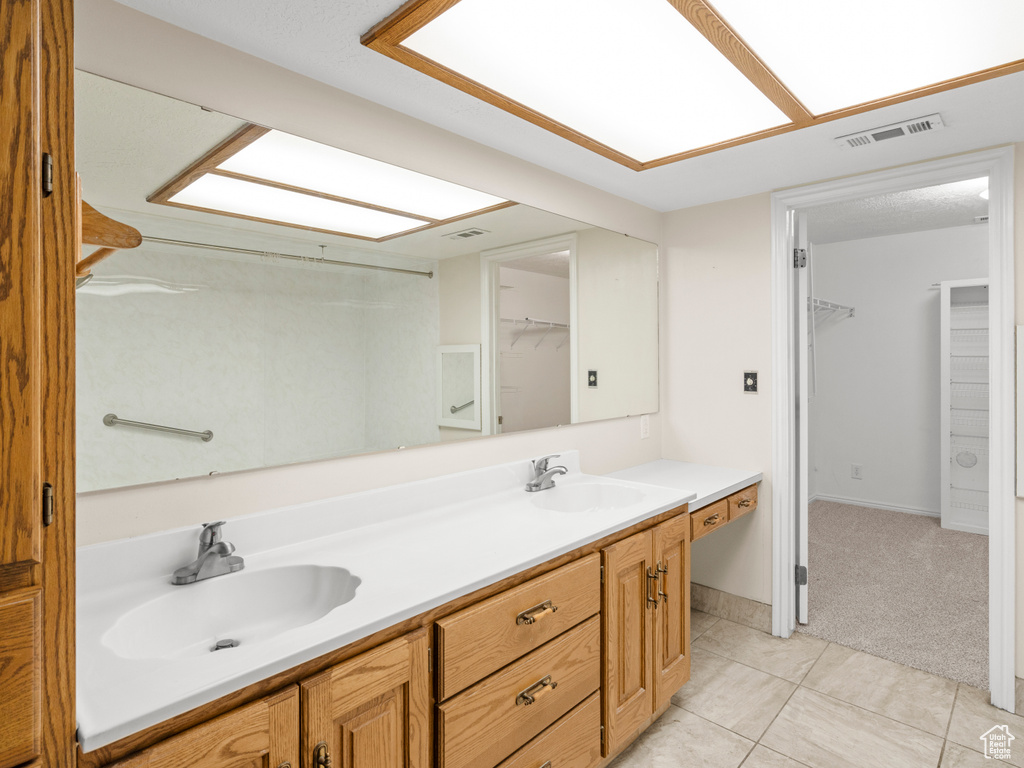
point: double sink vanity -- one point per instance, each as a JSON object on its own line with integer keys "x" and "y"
{"x": 458, "y": 621}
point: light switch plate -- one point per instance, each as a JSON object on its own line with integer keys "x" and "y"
{"x": 750, "y": 382}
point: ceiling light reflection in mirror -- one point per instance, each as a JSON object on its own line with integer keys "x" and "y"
{"x": 834, "y": 58}
{"x": 635, "y": 76}
{"x": 299, "y": 162}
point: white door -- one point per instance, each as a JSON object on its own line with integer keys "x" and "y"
{"x": 804, "y": 333}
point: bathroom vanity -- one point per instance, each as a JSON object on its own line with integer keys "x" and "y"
{"x": 472, "y": 624}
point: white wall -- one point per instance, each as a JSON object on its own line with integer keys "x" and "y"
{"x": 877, "y": 401}
{"x": 715, "y": 324}
{"x": 117, "y": 42}
{"x": 534, "y": 373}
{"x": 617, "y": 313}
{"x": 293, "y": 363}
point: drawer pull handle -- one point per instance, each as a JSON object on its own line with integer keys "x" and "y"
{"x": 546, "y": 765}
{"x": 656, "y": 579}
{"x": 530, "y": 695}
{"x": 744, "y": 502}
{"x": 535, "y": 614}
{"x": 713, "y": 519}
{"x": 321, "y": 757}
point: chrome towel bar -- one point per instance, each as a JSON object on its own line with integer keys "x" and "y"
{"x": 111, "y": 420}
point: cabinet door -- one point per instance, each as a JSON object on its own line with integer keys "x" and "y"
{"x": 264, "y": 734}
{"x": 672, "y": 623}
{"x": 372, "y": 711}
{"x": 20, "y": 694}
{"x": 628, "y": 616}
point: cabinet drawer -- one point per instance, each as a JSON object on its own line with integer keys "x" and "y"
{"x": 742, "y": 502}
{"x": 708, "y": 519}
{"x": 485, "y": 637}
{"x": 488, "y": 722}
{"x": 572, "y": 742}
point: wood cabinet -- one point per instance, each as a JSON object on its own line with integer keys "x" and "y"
{"x": 37, "y": 588}
{"x": 646, "y": 608}
{"x": 372, "y": 711}
{"x": 263, "y": 734}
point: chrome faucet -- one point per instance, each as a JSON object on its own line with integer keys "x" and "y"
{"x": 215, "y": 558}
{"x": 543, "y": 477}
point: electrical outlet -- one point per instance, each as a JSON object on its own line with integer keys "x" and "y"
{"x": 857, "y": 471}
{"x": 750, "y": 382}
{"x": 645, "y": 427}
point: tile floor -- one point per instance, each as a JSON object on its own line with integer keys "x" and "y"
{"x": 758, "y": 701}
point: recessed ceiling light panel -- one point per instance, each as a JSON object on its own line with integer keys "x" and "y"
{"x": 833, "y": 56}
{"x": 299, "y": 162}
{"x": 219, "y": 194}
{"x": 636, "y": 76}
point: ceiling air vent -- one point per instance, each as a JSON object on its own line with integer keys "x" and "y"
{"x": 884, "y": 133}
{"x": 474, "y": 232}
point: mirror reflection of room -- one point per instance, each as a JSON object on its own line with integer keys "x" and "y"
{"x": 269, "y": 318}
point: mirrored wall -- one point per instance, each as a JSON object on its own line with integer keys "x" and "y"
{"x": 292, "y": 335}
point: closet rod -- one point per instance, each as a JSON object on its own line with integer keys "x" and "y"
{"x": 291, "y": 257}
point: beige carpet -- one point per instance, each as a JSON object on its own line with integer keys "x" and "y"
{"x": 900, "y": 587}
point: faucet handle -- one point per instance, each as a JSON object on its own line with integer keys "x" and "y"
{"x": 210, "y": 534}
{"x": 541, "y": 465}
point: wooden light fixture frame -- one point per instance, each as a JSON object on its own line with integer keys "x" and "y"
{"x": 246, "y": 135}
{"x": 387, "y": 38}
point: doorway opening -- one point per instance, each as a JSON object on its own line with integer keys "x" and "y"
{"x": 792, "y": 425}
{"x": 896, "y": 380}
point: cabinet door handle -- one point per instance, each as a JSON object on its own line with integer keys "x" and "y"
{"x": 527, "y": 697}
{"x": 744, "y": 502}
{"x": 661, "y": 571}
{"x": 321, "y": 756}
{"x": 546, "y": 765}
{"x": 652, "y": 577}
{"x": 713, "y": 519}
{"x": 535, "y": 614}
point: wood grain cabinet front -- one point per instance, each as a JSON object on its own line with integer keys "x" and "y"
{"x": 574, "y": 741}
{"x": 646, "y": 609}
{"x": 486, "y": 723}
{"x": 372, "y": 711}
{"x": 485, "y": 637}
{"x": 742, "y": 502}
{"x": 708, "y": 519}
{"x": 263, "y": 734}
{"x": 20, "y": 693}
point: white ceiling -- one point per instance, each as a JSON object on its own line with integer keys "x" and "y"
{"x": 915, "y": 210}
{"x": 320, "y": 39}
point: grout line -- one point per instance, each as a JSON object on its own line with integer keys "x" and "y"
{"x": 748, "y": 666}
{"x": 876, "y": 714}
{"x": 814, "y": 664}
{"x": 952, "y": 709}
{"x": 796, "y": 687}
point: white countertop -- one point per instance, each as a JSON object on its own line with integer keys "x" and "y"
{"x": 414, "y": 547}
{"x": 708, "y": 483}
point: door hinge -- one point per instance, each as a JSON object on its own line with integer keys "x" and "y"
{"x": 799, "y": 258}
{"x": 499, "y": 419}
{"x": 801, "y": 575}
{"x": 47, "y": 187}
{"x": 47, "y": 504}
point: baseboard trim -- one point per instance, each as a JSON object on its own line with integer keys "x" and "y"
{"x": 877, "y": 505}
{"x": 724, "y": 605}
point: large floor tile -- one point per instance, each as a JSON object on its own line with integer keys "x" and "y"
{"x": 762, "y": 757}
{"x": 679, "y": 739}
{"x": 733, "y": 695}
{"x": 789, "y": 659}
{"x": 956, "y": 756}
{"x": 974, "y": 716}
{"x": 826, "y": 733}
{"x": 700, "y": 623}
{"x": 902, "y": 693}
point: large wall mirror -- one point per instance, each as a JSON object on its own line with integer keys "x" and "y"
{"x": 291, "y": 302}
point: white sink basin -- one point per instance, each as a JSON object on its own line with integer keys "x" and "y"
{"x": 247, "y": 607}
{"x": 586, "y": 497}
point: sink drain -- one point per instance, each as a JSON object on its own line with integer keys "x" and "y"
{"x": 222, "y": 644}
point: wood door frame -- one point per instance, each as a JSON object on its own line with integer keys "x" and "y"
{"x": 997, "y": 164}
{"x": 490, "y": 322}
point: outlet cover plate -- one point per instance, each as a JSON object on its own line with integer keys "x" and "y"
{"x": 750, "y": 382}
